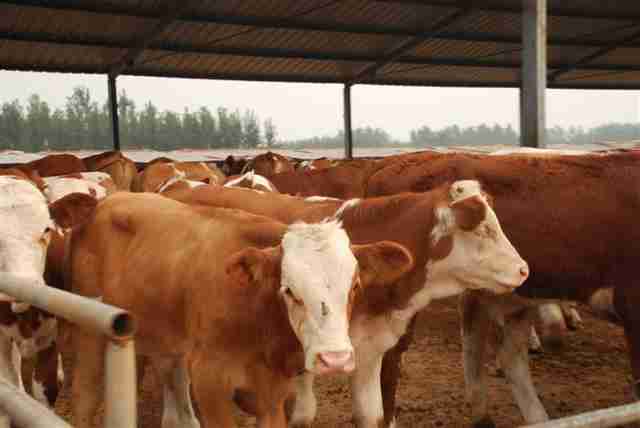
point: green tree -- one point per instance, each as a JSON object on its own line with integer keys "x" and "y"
{"x": 270, "y": 133}
{"x": 251, "y": 130}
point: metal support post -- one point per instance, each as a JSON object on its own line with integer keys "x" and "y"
{"x": 534, "y": 73}
{"x": 113, "y": 110}
{"x": 348, "y": 133}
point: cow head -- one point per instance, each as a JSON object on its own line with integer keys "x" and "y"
{"x": 26, "y": 225}
{"x": 317, "y": 277}
{"x": 469, "y": 250}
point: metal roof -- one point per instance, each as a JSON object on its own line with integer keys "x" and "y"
{"x": 591, "y": 43}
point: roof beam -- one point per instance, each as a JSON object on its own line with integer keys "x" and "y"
{"x": 516, "y": 8}
{"x": 174, "y": 9}
{"x": 276, "y": 53}
{"x": 584, "y": 61}
{"x": 305, "y": 25}
{"x": 408, "y": 44}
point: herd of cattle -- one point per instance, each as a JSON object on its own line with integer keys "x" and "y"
{"x": 250, "y": 279}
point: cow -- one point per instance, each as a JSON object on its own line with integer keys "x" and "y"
{"x": 237, "y": 302}
{"x": 121, "y": 169}
{"x": 28, "y": 222}
{"x": 157, "y": 177}
{"x": 566, "y": 215}
{"x": 96, "y": 184}
{"x": 251, "y": 180}
{"x": 268, "y": 164}
{"x": 57, "y": 164}
{"x": 233, "y": 165}
{"x": 457, "y": 244}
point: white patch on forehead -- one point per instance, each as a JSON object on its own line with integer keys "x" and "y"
{"x": 253, "y": 178}
{"x": 464, "y": 189}
{"x": 445, "y": 222}
{"x": 95, "y": 176}
{"x": 59, "y": 187}
{"x": 345, "y": 206}
{"x": 318, "y": 268}
{"x": 320, "y": 199}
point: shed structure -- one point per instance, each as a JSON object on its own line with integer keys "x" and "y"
{"x": 526, "y": 44}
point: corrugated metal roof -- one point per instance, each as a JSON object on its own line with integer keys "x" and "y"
{"x": 592, "y": 44}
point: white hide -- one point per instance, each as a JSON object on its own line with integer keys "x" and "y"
{"x": 59, "y": 187}
{"x": 253, "y": 178}
{"x": 95, "y": 176}
{"x": 482, "y": 258}
{"x": 318, "y": 268}
{"x": 345, "y": 206}
{"x": 320, "y": 199}
{"x": 25, "y": 227}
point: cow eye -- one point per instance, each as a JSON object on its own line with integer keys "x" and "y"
{"x": 289, "y": 294}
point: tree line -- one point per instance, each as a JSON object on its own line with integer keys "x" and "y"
{"x": 84, "y": 124}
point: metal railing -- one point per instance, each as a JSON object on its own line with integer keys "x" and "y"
{"x": 120, "y": 372}
{"x": 605, "y": 418}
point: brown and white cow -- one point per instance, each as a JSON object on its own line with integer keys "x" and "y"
{"x": 457, "y": 244}
{"x": 251, "y": 180}
{"x": 268, "y": 164}
{"x": 25, "y": 232}
{"x": 320, "y": 163}
{"x": 121, "y": 169}
{"x": 233, "y": 165}
{"x": 241, "y": 302}
{"x": 565, "y": 214}
{"x": 158, "y": 176}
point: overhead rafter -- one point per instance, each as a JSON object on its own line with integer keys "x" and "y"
{"x": 275, "y": 53}
{"x": 561, "y": 12}
{"x": 174, "y": 9}
{"x": 408, "y": 44}
{"x": 307, "y": 25}
{"x": 584, "y": 61}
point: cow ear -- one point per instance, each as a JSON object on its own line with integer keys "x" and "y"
{"x": 251, "y": 265}
{"x": 382, "y": 263}
{"x": 72, "y": 210}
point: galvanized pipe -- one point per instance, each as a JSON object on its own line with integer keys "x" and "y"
{"x": 120, "y": 409}
{"x": 113, "y": 111}
{"x": 348, "y": 131}
{"x": 24, "y": 411}
{"x": 105, "y": 319}
{"x": 604, "y": 418}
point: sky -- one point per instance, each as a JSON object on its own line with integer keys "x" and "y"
{"x": 307, "y": 110}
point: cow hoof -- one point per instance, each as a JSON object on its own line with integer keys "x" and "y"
{"x": 486, "y": 422}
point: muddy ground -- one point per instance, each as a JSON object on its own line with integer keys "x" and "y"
{"x": 590, "y": 372}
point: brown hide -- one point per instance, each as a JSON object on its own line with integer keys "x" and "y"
{"x": 406, "y": 219}
{"x": 269, "y": 164}
{"x": 154, "y": 176}
{"x": 58, "y": 164}
{"x": 121, "y": 169}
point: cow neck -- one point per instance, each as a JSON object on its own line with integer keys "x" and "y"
{"x": 407, "y": 219}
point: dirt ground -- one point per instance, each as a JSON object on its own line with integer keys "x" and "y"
{"x": 590, "y": 372}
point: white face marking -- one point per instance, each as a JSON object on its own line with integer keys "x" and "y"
{"x": 59, "y": 187}
{"x": 95, "y": 176}
{"x": 253, "y": 178}
{"x": 24, "y": 216}
{"x": 345, "y": 206}
{"x": 318, "y": 269}
{"x": 482, "y": 258}
{"x": 320, "y": 199}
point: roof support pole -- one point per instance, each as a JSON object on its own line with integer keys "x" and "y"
{"x": 534, "y": 73}
{"x": 348, "y": 134}
{"x": 113, "y": 110}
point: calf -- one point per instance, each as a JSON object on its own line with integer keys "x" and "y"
{"x": 26, "y": 229}
{"x": 239, "y": 303}
{"x": 566, "y": 215}
{"x": 457, "y": 244}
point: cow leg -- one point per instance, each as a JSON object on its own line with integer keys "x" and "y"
{"x": 214, "y": 398}
{"x": 535, "y": 346}
{"x": 177, "y": 410}
{"x": 625, "y": 306}
{"x": 514, "y": 360}
{"x": 391, "y": 372}
{"x": 554, "y": 327}
{"x": 305, "y": 404}
{"x": 475, "y": 324}
{"x": 47, "y": 377}
{"x": 87, "y": 385}
{"x": 274, "y": 418}
{"x": 8, "y": 371}
{"x": 368, "y": 410}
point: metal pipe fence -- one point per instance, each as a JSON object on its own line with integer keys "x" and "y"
{"x": 605, "y": 418}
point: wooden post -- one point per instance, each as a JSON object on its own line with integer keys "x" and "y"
{"x": 534, "y": 73}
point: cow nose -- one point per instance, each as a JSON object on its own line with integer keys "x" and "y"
{"x": 524, "y": 271}
{"x": 337, "y": 361}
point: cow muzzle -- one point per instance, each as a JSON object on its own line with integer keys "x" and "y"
{"x": 335, "y": 362}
